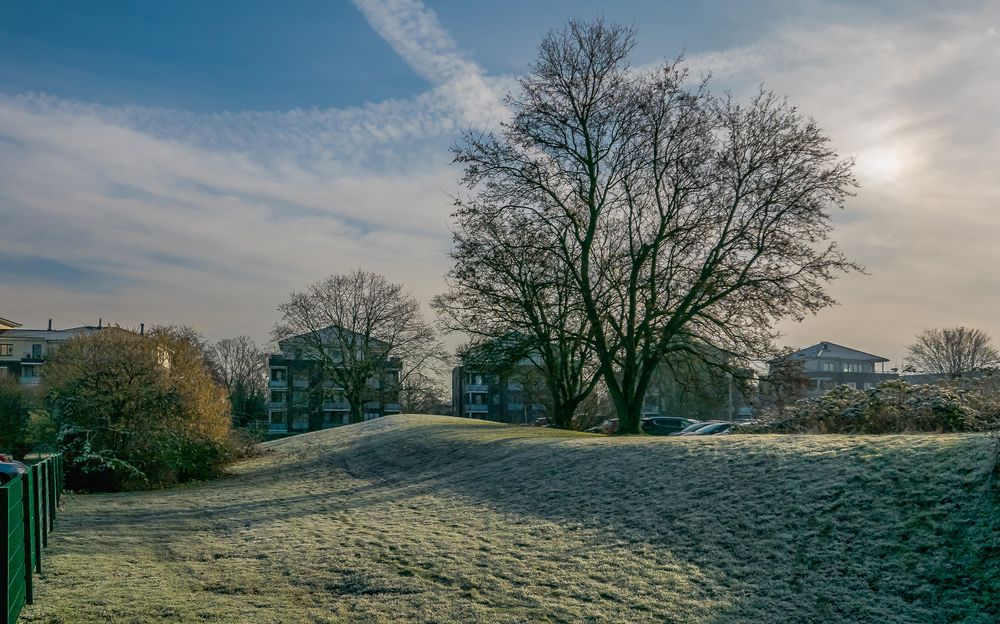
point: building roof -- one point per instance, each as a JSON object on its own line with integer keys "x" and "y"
{"x": 834, "y": 351}
{"x": 330, "y": 333}
{"x": 4, "y": 323}
{"x": 48, "y": 334}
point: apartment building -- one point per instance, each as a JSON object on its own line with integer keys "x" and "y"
{"x": 23, "y": 351}
{"x": 305, "y": 394}
{"x": 827, "y": 365}
{"x": 510, "y": 394}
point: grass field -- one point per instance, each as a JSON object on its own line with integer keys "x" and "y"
{"x": 434, "y": 519}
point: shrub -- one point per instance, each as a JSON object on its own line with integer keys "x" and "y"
{"x": 90, "y": 470}
{"x": 892, "y": 407}
{"x": 137, "y": 411}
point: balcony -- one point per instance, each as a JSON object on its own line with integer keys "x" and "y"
{"x": 477, "y": 388}
{"x": 300, "y": 383}
{"x": 277, "y": 384}
{"x": 393, "y": 408}
{"x": 276, "y": 405}
{"x": 277, "y": 428}
{"x": 31, "y": 381}
{"x": 515, "y": 407}
{"x": 477, "y": 408}
{"x": 513, "y": 385}
{"x": 336, "y": 406}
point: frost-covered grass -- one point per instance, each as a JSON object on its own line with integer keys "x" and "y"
{"x": 434, "y": 519}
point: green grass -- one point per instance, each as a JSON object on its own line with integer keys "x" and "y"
{"x": 434, "y": 519}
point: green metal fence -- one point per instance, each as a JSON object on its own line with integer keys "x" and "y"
{"x": 28, "y": 507}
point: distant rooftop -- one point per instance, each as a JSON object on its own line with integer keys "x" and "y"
{"x": 48, "y": 334}
{"x": 6, "y": 323}
{"x": 834, "y": 351}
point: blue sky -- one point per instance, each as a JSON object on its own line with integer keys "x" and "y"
{"x": 193, "y": 162}
{"x": 265, "y": 55}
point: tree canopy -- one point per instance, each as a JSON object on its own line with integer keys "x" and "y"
{"x": 683, "y": 221}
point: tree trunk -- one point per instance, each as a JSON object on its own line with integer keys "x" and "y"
{"x": 357, "y": 409}
{"x": 629, "y": 415}
{"x": 562, "y": 414}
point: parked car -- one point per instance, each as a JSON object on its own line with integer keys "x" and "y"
{"x": 712, "y": 429}
{"x": 696, "y": 426}
{"x": 609, "y": 426}
{"x": 10, "y": 468}
{"x": 665, "y": 425}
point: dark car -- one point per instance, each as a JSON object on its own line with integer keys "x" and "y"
{"x": 665, "y": 425}
{"x": 712, "y": 429}
{"x": 696, "y": 426}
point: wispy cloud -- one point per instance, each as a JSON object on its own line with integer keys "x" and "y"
{"x": 416, "y": 34}
{"x": 145, "y": 214}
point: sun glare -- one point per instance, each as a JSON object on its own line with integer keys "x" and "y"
{"x": 880, "y": 164}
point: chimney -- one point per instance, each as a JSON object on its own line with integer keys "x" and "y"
{"x": 100, "y": 323}
{"x": 142, "y": 329}
{"x": 50, "y": 324}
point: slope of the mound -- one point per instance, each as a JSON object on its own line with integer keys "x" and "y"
{"x": 436, "y": 519}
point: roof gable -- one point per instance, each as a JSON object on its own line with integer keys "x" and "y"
{"x": 834, "y": 351}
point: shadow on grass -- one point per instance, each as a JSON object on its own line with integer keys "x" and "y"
{"x": 797, "y": 529}
{"x": 790, "y": 529}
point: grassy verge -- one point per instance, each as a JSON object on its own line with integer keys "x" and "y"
{"x": 433, "y": 519}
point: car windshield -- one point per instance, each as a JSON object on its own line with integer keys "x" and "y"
{"x": 695, "y": 427}
{"x": 715, "y": 427}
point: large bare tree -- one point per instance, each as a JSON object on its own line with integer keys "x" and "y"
{"x": 512, "y": 296}
{"x": 361, "y": 328}
{"x": 681, "y": 218}
{"x": 952, "y": 351}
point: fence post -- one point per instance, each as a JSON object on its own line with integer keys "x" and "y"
{"x": 12, "y": 587}
{"x": 53, "y": 501}
{"x": 35, "y": 484}
{"x": 44, "y": 490}
{"x": 28, "y": 518}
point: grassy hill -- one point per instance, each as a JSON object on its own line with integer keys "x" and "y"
{"x": 434, "y": 519}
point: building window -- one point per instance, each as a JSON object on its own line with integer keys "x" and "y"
{"x": 278, "y": 374}
{"x": 36, "y": 351}
{"x": 869, "y": 385}
{"x": 277, "y": 396}
{"x": 854, "y": 367}
{"x": 28, "y": 371}
{"x": 831, "y": 367}
{"x": 822, "y": 384}
{"x": 277, "y": 418}
{"x": 6, "y": 349}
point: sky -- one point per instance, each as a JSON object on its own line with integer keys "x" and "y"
{"x": 193, "y": 163}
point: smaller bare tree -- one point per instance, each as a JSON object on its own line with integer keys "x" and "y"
{"x": 242, "y": 366}
{"x": 368, "y": 335}
{"x": 784, "y": 383}
{"x": 952, "y": 351}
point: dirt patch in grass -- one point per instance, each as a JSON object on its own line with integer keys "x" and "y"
{"x": 433, "y": 519}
